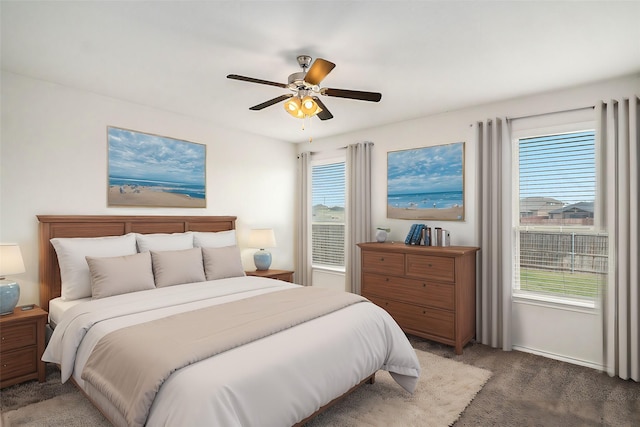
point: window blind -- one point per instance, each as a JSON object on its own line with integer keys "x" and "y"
{"x": 558, "y": 252}
{"x": 328, "y": 185}
{"x": 557, "y": 177}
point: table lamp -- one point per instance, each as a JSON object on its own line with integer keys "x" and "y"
{"x": 10, "y": 263}
{"x": 262, "y": 238}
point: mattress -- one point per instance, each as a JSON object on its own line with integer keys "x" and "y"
{"x": 57, "y": 308}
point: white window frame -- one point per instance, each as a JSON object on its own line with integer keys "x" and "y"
{"x": 319, "y": 162}
{"x": 566, "y": 302}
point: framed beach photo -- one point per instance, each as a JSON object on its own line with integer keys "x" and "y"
{"x": 426, "y": 183}
{"x": 154, "y": 171}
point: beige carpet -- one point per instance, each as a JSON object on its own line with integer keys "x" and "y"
{"x": 445, "y": 389}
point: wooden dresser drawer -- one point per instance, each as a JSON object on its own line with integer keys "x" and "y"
{"x": 19, "y": 362}
{"x": 413, "y": 318}
{"x": 383, "y": 262}
{"x": 18, "y": 335}
{"x": 431, "y": 267}
{"x": 411, "y": 291}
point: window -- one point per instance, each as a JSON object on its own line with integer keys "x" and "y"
{"x": 328, "y": 210}
{"x": 559, "y": 252}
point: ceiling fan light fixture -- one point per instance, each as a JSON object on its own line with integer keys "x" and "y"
{"x": 301, "y": 108}
{"x": 292, "y": 106}
{"x": 309, "y": 106}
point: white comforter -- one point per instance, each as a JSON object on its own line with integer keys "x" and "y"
{"x": 276, "y": 381}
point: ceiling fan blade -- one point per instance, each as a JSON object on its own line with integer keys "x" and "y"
{"x": 318, "y": 71}
{"x": 270, "y": 102}
{"x": 325, "y": 114}
{"x": 252, "y": 80}
{"x": 352, "y": 94}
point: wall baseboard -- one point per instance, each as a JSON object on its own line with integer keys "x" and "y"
{"x": 574, "y": 361}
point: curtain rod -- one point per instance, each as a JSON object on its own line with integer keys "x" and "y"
{"x": 338, "y": 148}
{"x": 551, "y": 112}
{"x": 319, "y": 152}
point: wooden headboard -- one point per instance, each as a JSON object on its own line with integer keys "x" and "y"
{"x": 108, "y": 225}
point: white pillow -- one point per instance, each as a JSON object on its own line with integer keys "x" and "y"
{"x": 177, "y": 267}
{"x": 120, "y": 275}
{"x": 220, "y": 263}
{"x": 214, "y": 240}
{"x": 164, "y": 242}
{"x": 74, "y": 270}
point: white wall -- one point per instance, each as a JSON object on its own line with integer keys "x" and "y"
{"x": 53, "y": 160}
{"x": 566, "y": 340}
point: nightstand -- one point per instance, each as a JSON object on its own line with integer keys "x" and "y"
{"x": 285, "y": 275}
{"x": 21, "y": 346}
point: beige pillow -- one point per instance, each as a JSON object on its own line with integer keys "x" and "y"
{"x": 223, "y": 262}
{"x": 177, "y": 267}
{"x": 120, "y": 275}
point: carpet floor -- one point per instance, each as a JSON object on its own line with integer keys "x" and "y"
{"x": 445, "y": 389}
{"x": 524, "y": 390}
{"x": 530, "y": 390}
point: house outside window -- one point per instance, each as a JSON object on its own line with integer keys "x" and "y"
{"x": 560, "y": 254}
{"x": 328, "y": 184}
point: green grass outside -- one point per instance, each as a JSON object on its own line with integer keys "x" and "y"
{"x": 561, "y": 282}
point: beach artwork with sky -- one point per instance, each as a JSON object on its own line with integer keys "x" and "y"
{"x": 155, "y": 171}
{"x": 426, "y": 183}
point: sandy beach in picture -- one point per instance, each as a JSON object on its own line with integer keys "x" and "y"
{"x": 127, "y": 195}
{"x": 450, "y": 214}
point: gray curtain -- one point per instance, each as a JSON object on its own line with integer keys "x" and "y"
{"x": 358, "y": 227}
{"x": 493, "y": 285}
{"x": 620, "y": 158}
{"x": 303, "y": 254}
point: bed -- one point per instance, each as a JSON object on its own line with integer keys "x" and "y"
{"x": 220, "y": 348}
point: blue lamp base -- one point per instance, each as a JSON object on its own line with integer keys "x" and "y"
{"x": 262, "y": 259}
{"x": 9, "y": 296}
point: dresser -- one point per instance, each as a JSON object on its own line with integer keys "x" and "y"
{"x": 21, "y": 346}
{"x": 429, "y": 291}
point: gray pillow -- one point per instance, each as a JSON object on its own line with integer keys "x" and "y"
{"x": 223, "y": 262}
{"x": 120, "y": 275}
{"x": 177, "y": 267}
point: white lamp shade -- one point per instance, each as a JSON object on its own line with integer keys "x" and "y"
{"x": 262, "y": 238}
{"x": 10, "y": 260}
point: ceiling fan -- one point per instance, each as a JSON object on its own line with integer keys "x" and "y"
{"x": 304, "y": 102}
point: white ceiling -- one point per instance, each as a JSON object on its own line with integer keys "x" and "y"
{"x": 425, "y": 57}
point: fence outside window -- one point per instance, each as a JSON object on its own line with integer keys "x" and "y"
{"x": 571, "y": 264}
